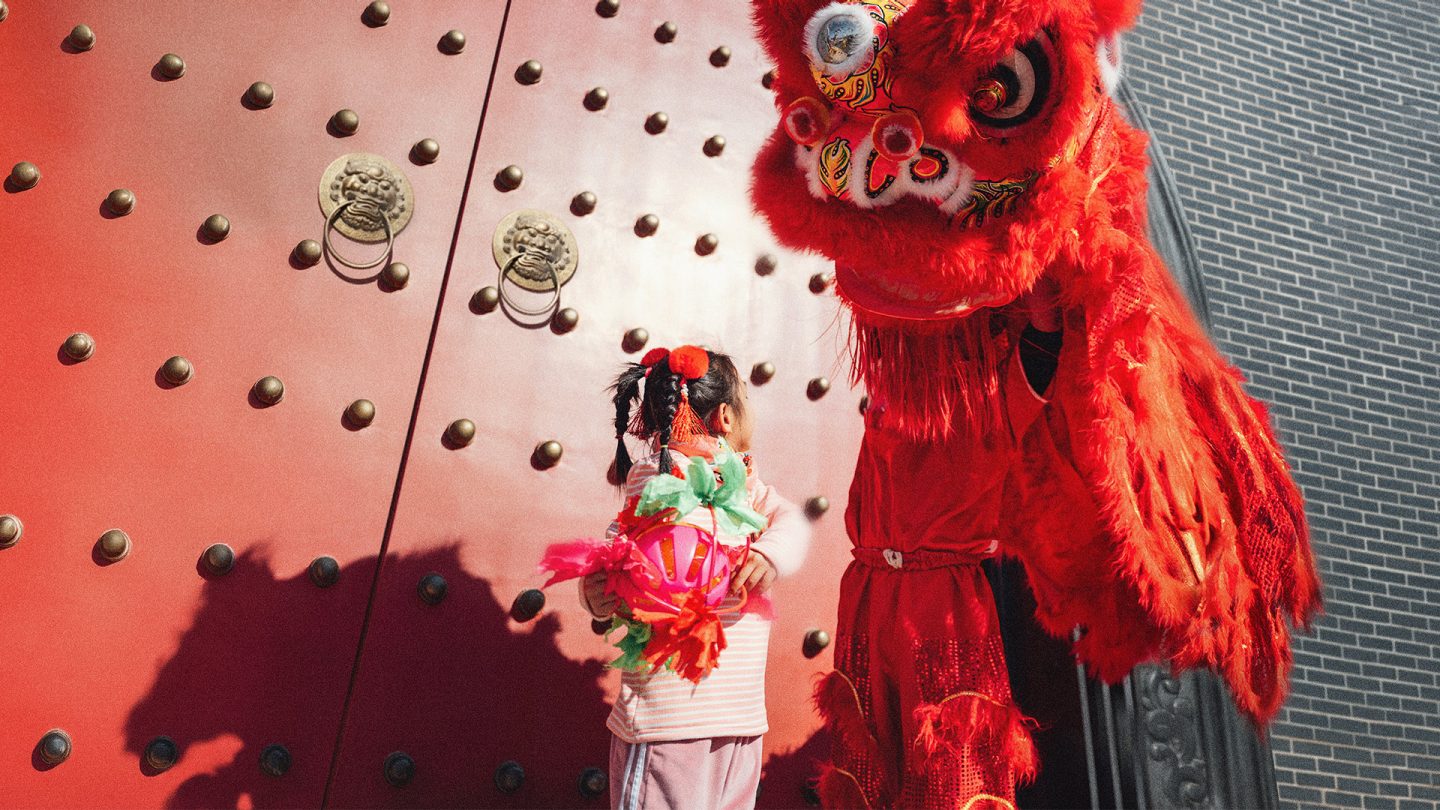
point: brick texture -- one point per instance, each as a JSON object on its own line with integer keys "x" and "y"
{"x": 1305, "y": 140}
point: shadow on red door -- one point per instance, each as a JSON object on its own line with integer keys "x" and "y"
{"x": 483, "y": 691}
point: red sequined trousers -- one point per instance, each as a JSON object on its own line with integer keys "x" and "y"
{"x": 919, "y": 705}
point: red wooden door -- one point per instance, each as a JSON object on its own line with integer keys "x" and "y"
{"x": 228, "y": 665}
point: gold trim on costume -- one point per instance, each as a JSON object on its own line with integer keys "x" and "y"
{"x": 1006, "y": 803}
{"x": 980, "y": 695}
{"x": 859, "y": 708}
{"x": 860, "y": 790}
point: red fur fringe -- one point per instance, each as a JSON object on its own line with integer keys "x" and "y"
{"x": 933, "y": 382}
{"x": 1206, "y": 523}
{"x": 1115, "y": 15}
{"x": 971, "y": 720}
{"x": 838, "y": 704}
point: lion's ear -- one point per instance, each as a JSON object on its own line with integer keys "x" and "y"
{"x": 1116, "y": 15}
{"x": 769, "y": 15}
{"x": 781, "y": 23}
{"x": 780, "y": 29}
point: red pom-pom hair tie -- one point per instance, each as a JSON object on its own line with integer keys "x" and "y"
{"x": 690, "y": 362}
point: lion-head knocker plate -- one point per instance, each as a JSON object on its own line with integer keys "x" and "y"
{"x": 535, "y": 250}
{"x": 376, "y": 196}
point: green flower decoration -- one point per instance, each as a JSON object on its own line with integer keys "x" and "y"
{"x": 631, "y": 645}
{"x": 730, "y": 500}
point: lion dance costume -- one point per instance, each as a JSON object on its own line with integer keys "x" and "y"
{"x": 962, "y": 163}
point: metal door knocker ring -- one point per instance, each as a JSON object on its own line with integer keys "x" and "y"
{"x": 330, "y": 248}
{"x": 368, "y": 199}
{"x": 535, "y": 252}
{"x": 505, "y": 275}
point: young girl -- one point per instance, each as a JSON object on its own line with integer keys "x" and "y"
{"x": 678, "y": 743}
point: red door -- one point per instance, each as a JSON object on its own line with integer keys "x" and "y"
{"x": 229, "y": 664}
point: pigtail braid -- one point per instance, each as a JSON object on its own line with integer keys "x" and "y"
{"x": 627, "y": 393}
{"x": 665, "y": 408}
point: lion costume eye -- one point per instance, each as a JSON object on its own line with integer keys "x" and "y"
{"x": 1017, "y": 88}
{"x": 840, "y": 40}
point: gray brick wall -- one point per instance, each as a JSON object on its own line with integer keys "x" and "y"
{"x": 1303, "y": 135}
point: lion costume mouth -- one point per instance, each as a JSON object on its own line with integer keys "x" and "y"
{"x": 903, "y": 300}
{"x": 910, "y": 260}
{"x": 923, "y": 254}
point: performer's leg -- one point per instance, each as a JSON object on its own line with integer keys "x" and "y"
{"x": 857, "y": 702}
{"x": 968, "y": 742}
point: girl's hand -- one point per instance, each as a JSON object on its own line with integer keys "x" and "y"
{"x": 601, "y": 605}
{"x": 756, "y": 575}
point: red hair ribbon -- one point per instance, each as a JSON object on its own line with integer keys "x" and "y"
{"x": 652, "y": 358}
{"x": 688, "y": 363}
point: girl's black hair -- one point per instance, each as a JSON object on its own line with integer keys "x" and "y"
{"x": 721, "y": 383}
{"x": 627, "y": 390}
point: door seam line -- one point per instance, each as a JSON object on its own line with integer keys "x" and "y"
{"x": 414, "y": 414}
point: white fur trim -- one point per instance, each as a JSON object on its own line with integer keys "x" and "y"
{"x": 809, "y": 164}
{"x": 1107, "y": 54}
{"x": 860, "y": 163}
{"x": 950, "y": 192}
{"x": 963, "y": 190}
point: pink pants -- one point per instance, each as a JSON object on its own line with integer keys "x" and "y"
{"x": 718, "y": 772}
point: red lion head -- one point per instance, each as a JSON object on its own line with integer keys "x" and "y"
{"x": 940, "y": 151}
